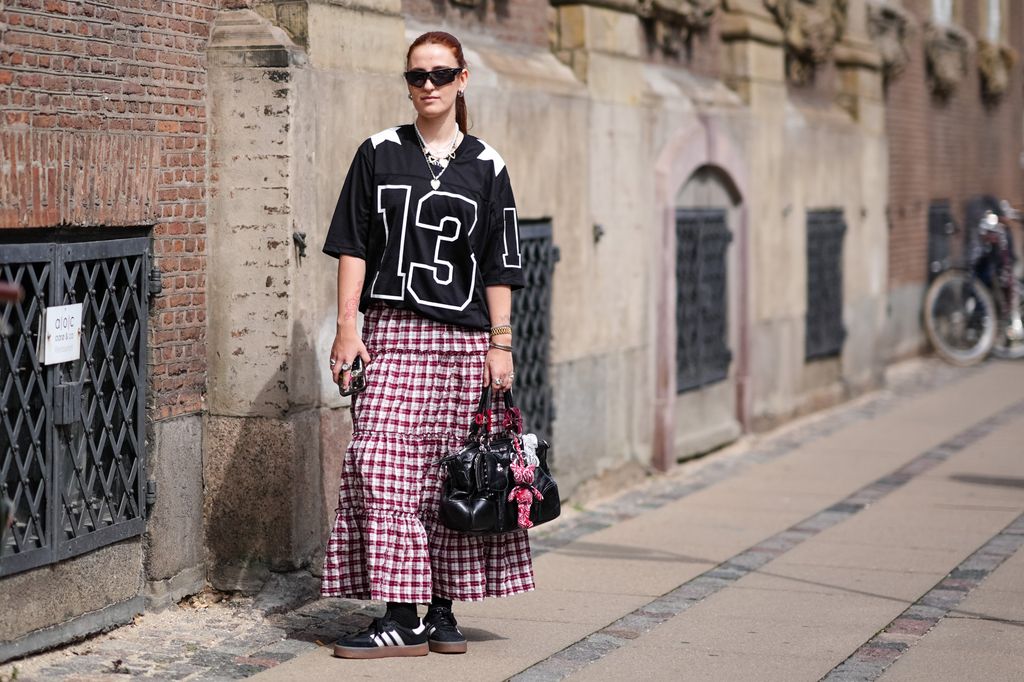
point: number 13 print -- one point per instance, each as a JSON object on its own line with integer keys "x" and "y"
{"x": 422, "y": 258}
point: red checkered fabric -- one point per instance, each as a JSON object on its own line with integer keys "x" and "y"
{"x": 423, "y": 385}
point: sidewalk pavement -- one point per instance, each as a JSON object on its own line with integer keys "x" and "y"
{"x": 878, "y": 540}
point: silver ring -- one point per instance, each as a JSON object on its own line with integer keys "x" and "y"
{"x": 345, "y": 367}
{"x": 497, "y": 382}
{"x": 333, "y": 362}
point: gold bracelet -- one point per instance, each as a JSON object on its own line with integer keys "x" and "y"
{"x": 501, "y": 346}
{"x": 503, "y": 329}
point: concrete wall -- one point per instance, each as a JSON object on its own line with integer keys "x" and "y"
{"x": 71, "y": 598}
{"x": 261, "y": 446}
{"x": 174, "y": 551}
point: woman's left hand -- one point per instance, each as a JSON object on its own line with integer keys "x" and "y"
{"x": 498, "y": 372}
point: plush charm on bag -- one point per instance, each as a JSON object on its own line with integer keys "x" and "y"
{"x": 498, "y": 482}
{"x": 524, "y": 493}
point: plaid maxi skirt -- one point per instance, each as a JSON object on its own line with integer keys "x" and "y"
{"x": 423, "y": 385}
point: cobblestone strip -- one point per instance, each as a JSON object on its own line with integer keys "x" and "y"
{"x": 667, "y": 490}
{"x": 631, "y": 626}
{"x": 881, "y": 651}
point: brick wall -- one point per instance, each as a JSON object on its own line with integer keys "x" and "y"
{"x": 104, "y": 124}
{"x": 952, "y": 149}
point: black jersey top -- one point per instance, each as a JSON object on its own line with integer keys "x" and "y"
{"x": 430, "y": 250}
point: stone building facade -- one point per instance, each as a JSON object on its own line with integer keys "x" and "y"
{"x": 954, "y": 103}
{"x": 713, "y": 173}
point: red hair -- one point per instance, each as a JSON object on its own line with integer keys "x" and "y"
{"x": 453, "y": 44}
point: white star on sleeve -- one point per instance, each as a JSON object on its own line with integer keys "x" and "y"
{"x": 389, "y": 135}
{"x": 489, "y": 154}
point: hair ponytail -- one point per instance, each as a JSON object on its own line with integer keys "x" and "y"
{"x": 453, "y": 44}
{"x": 461, "y": 115}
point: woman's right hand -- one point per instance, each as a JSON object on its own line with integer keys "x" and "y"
{"x": 347, "y": 345}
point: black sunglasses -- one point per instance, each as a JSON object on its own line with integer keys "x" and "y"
{"x": 438, "y": 77}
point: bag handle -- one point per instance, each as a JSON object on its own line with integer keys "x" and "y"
{"x": 482, "y": 416}
{"x": 485, "y": 399}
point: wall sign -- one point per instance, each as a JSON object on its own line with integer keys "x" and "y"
{"x": 60, "y": 334}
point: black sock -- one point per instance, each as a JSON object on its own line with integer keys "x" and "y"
{"x": 440, "y": 601}
{"x": 403, "y": 613}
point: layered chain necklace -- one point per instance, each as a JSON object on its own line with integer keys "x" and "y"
{"x": 434, "y": 160}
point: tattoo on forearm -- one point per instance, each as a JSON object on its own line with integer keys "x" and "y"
{"x": 352, "y": 304}
{"x": 504, "y": 319}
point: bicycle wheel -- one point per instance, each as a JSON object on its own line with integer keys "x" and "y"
{"x": 960, "y": 318}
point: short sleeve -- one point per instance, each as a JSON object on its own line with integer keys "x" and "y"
{"x": 350, "y": 225}
{"x": 503, "y": 262}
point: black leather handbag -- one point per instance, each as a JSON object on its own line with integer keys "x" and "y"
{"x": 497, "y": 482}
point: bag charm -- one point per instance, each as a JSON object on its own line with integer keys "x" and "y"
{"x": 524, "y": 493}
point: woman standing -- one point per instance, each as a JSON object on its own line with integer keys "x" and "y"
{"x": 427, "y": 239}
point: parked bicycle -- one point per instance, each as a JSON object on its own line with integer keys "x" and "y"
{"x": 975, "y": 310}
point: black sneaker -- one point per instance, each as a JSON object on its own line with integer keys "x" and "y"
{"x": 383, "y": 639}
{"x": 442, "y": 631}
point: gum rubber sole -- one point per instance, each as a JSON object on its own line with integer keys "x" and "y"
{"x": 381, "y": 651}
{"x": 448, "y": 647}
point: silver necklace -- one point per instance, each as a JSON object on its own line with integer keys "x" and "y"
{"x": 439, "y": 160}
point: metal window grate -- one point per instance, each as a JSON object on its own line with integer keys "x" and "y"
{"x": 824, "y": 325}
{"x": 702, "y": 312}
{"x": 941, "y": 227}
{"x": 25, "y": 393}
{"x": 531, "y": 333}
{"x": 72, "y": 434}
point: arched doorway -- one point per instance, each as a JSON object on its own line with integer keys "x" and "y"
{"x": 707, "y": 307}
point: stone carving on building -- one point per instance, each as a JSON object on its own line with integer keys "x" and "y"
{"x": 811, "y": 28}
{"x": 946, "y": 48}
{"x": 676, "y": 20}
{"x": 671, "y": 22}
{"x": 994, "y": 62}
{"x": 890, "y": 29}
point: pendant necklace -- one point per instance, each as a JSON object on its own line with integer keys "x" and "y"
{"x": 439, "y": 160}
